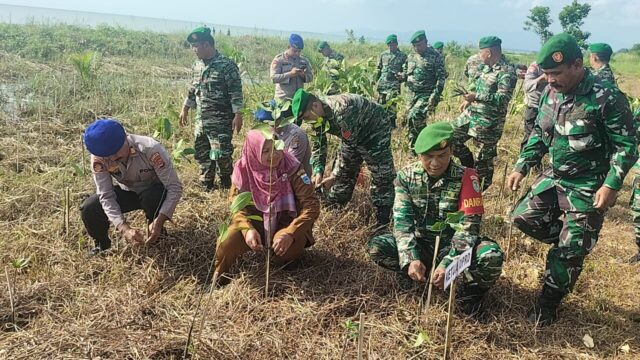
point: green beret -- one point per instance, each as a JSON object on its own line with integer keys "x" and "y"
{"x": 489, "y": 41}
{"x": 322, "y": 45}
{"x": 299, "y": 102}
{"x": 559, "y": 49}
{"x": 438, "y": 45}
{"x": 434, "y": 137}
{"x": 601, "y": 48}
{"x": 417, "y": 36}
{"x": 391, "y": 38}
{"x": 201, "y": 33}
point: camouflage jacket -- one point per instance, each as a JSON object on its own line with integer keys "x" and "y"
{"x": 493, "y": 86}
{"x": 605, "y": 73}
{"x": 421, "y": 201}
{"x": 390, "y": 64}
{"x": 216, "y": 88}
{"x": 590, "y": 138}
{"x": 352, "y": 118}
{"x": 471, "y": 67}
{"x": 425, "y": 74}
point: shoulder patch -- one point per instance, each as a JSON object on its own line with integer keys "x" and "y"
{"x": 305, "y": 179}
{"x": 470, "y": 200}
{"x": 157, "y": 160}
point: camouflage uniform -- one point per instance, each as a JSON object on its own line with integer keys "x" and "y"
{"x": 589, "y": 136}
{"x": 635, "y": 195}
{"x": 365, "y": 130}
{"x": 425, "y": 76}
{"x": 605, "y": 73}
{"x": 216, "y": 91}
{"x": 483, "y": 120}
{"x": 419, "y": 203}
{"x": 331, "y": 65}
{"x": 389, "y": 64}
{"x": 471, "y": 68}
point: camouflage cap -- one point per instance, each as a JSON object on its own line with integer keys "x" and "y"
{"x": 601, "y": 48}
{"x": 299, "y": 102}
{"x": 201, "y": 33}
{"x": 559, "y": 49}
{"x": 438, "y": 45}
{"x": 434, "y": 137}
{"x": 391, "y": 38}
{"x": 489, "y": 41}
{"x": 322, "y": 45}
{"x": 418, "y": 36}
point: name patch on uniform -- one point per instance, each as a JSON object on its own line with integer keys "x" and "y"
{"x": 346, "y": 134}
{"x": 470, "y": 201}
{"x": 157, "y": 160}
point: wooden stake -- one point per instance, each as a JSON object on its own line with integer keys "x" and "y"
{"x": 433, "y": 268}
{"x": 268, "y": 264}
{"x": 360, "y": 336}
{"x": 13, "y": 309}
{"x": 504, "y": 180}
{"x": 66, "y": 210}
{"x": 447, "y": 342}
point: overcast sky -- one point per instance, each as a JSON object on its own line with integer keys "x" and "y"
{"x": 614, "y": 21}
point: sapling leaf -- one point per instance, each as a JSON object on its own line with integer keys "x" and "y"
{"x": 164, "y": 128}
{"x": 279, "y": 144}
{"x": 188, "y": 151}
{"x": 438, "y": 226}
{"x": 456, "y": 227}
{"x": 421, "y": 338}
{"x": 241, "y": 201}
{"x": 255, "y": 217}
{"x": 265, "y": 129}
{"x": 222, "y": 232}
{"x": 20, "y": 263}
{"x": 455, "y": 217}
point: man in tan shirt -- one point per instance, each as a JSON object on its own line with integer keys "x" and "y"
{"x": 290, "y": 70}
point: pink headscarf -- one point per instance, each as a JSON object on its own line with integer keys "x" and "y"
{"x": 250, "y": 175}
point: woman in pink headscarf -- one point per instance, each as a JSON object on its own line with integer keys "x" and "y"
{"x": 277, "y": 182}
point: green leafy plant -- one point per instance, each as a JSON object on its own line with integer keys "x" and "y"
{"x": 352, "y": 328}
{"x": 87, "y": 65}
{"x": 180, "y": 151}
{"x": 164, "y": 128}
{"x": 421, "y": 338}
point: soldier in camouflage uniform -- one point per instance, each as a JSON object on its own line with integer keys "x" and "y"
{"x": 635, "y": 196}
{"x": 364, "y": 128}
{"x": 471, "y": 68}
{"x": 485, "y": 109}
{"x": 587, "y": 128}
{"x": 599, "y": 57}
{"x": 425, "y": 75}
{"x": 332, "y": 64}
{"x": 389, "y": 75}
{"x": 216, "y": 93}
{"x": 425, "y": 192}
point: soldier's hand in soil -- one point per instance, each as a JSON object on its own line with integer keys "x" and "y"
{"x": 437, "y": 278}
{"x": 416, "y": 271}
{"x": 605, "y": 198}
{"x": 253, "y": 240}
{"x": 236, "y": 124}
{"x": 281, "y": 244}
{"x": 155, "y": 228}
{"x": 134, "y": 236}
{"x": 513, "y": 181}
{"x": 184, "y": 116}
{"x": 469, "y": 97}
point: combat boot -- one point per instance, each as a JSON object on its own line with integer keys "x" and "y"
{"x": 470, "y": 300}
{"x": 225, "y": 182}
{"x": 207, "y": 185}
{"x": 545, "y": 310}
{"x": 100, "y": 247}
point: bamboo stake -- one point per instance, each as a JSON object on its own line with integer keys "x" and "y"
{"x": 360, "y": 336}
{"x": 433, "y": 268}
{"x": 504, "y": 180}
{"x": 447, "y": 342}
{"x": 268, "y": 264}
{"x": 66, "y": 210}
{"x": 13, "y": 309}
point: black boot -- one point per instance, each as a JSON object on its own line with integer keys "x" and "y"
{"x": 383, "y": 216}
{"x": 470, "y": 300}
{"x": 225, "y": 182}
{"x": 207, "y": 185}
{"x": 545, "y": 310}
{"x": 100, "y": 247}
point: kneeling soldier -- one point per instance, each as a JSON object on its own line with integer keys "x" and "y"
{"x": 425, "y": 192}
{"x": 145, "y": 179}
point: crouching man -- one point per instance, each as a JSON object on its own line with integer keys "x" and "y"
{"x": 144, "y": 179}
{"x": 425, "y": 192}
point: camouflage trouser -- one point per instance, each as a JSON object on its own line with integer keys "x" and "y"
{"x": 417, "y": 114}
{"x": 635, "y": 207}
{"x": 572, "y": 234}
{"x": 377, "y": 155}
{"x": 485, "y": 269}
{"x": 487, "y": 137}
{"x": 213, "y": 148}
{"x": 530, "y": 114}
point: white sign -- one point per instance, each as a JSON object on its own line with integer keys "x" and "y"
{"x": 459, "y": 264}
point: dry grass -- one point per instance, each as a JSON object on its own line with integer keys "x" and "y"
{"x": 138, "y": 303}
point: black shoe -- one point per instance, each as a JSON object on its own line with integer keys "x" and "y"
{"x": 635, "y": 258}
{"x": 100, "y": 248}
{"x": 545, "y": 310}
{"x": 225, "y": 182}
{"x": 207, "y": 186}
